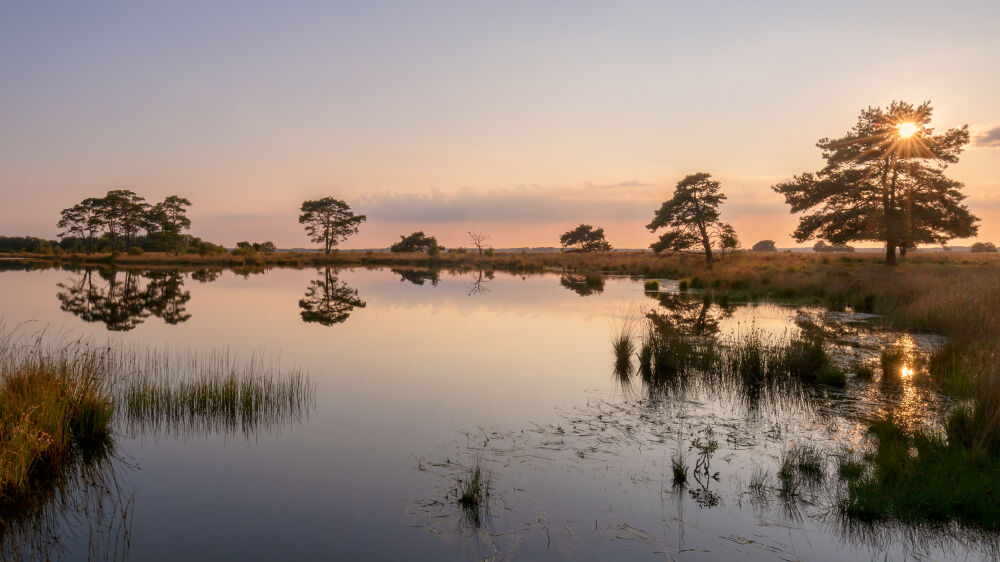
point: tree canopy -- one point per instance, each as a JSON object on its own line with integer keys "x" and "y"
{"x": 884, "y": 180}
{"x": 585, "y": 238}
{"x": 328, "y": 221}
{"x": 692, "y": 218}
{"x": 122, "y": 219}
{"x": 416, "y": 242}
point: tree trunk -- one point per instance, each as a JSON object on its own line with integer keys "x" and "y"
{"x": 890, "y": 252}
{"x": 706, "y": 243}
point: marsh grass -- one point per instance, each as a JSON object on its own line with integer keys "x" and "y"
{"x": 679, "y": 468}
{"x": 201, "y": 394}
{"x": 651, "y": 285}
{"x": 802, "y": 468}
{"x": 914, "y": 476}
{"x": 473, "y": 488}
{"x": 54, "y": 404}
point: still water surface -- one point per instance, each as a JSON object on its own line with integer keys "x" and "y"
{"x": 419, "y": 376}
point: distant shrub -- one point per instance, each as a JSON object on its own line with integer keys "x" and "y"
{"x": 765, "y": 246}
{"x": 652, "y": 285}
{"x": 135, "y": 251}
{"x": 984, "y": 248}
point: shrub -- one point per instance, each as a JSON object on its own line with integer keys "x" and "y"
{"x": 652, "y": 285}
{"x": 135, "y": 251}
{"x": 984, "y": 248}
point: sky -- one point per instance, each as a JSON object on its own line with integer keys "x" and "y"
{"x": 517, "y": 119}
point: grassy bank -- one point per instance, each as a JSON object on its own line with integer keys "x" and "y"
{"x": 54, "y": 406}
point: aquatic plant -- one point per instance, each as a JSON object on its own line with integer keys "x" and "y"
{"x": 218, "y": 392}
{"x": 679, "y": 468}
{"x": 651, "y": 285}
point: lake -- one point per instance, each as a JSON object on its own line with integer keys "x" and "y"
{"x": 418, "y": 376}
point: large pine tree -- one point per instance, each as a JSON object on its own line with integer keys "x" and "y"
{"x": 884, "y": 180}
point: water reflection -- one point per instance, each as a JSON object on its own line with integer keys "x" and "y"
{"x": 480, "y": 282}
{"x": 123, "y": 299}
{"x": 583, "y": 285}
{"x": 418, "y": 276}
{"x": 83, "y": 499}
{"x": 328, "y": 300}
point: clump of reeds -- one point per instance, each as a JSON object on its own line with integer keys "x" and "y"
{"x": 472, "y": 492}
{"x": 801, "y": 466}
{"x": 651, "y": 285}
{"x": 679, "y": 468}
{"x": 199, "y": 394}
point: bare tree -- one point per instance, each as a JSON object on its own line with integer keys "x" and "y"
{"x": 478, "y": 239}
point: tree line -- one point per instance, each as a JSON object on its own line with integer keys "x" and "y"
{"x": 124, "y": 221}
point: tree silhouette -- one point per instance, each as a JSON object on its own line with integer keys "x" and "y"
{"x": 478, "y": 240}
{"x": 416, "y": 242}
{"x": 585, "y": 238}
{"x": 328, "y": 300}
{"x": 884, "y": 180}
{"x": 328, "y": 221}
{"x": 692, "y": 218}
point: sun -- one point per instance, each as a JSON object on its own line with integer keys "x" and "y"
{"x": 907, "y": 129}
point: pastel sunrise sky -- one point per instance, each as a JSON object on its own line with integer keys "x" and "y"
{"x": 519, "y": 119}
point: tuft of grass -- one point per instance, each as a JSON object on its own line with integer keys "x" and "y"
{"x": 472, "y": 493}
{"x": 474, "y": 488}
{"x": 679, "y": 468}
{"x": 864, "y": 371}
{"x": 651, "y": 285}
{"x": 892, "y": 360}
{"x": 623, "y": 347}
{"x": 683, "y": 285}
{"x": 850, "y": 469}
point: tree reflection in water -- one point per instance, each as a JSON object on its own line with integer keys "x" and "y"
{"x": 82, "y": 500}
{"x": 123, "y": 299}
{"x": 480, "y": 282}
{"x": 583, "y": 285}
{"x": 418, "y": 276}
{"x": 328, "y": 300}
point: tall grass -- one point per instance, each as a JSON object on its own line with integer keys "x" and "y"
{"x": 54, "y": 404}
{"x": 202, "y": 394}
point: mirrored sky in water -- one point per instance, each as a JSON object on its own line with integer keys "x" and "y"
{"x": 422, "y": 379}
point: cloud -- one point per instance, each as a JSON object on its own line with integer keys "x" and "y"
{"x": 532, "y": 204}
{"x": 524, "y": 204}
{"x": 989, "y": 138}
